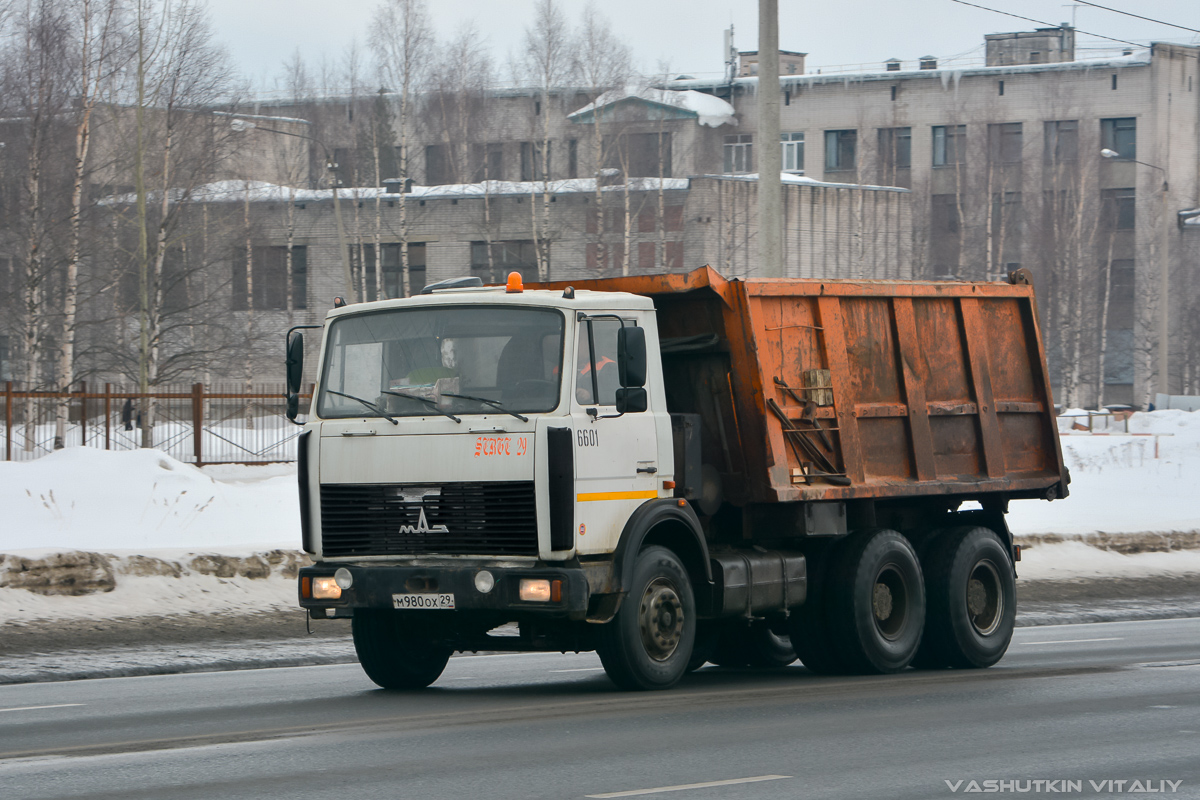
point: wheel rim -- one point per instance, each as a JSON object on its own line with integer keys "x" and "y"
{"x": 660, "y": 619}
{"x": 985, "y": 598}
{"x": 889, "y": 602}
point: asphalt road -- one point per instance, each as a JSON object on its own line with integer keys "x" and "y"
{"x": 1089, "y": 703}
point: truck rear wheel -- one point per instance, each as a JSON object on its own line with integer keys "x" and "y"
{"x": 648, "y": 644}
{"x": 876, "y": 602}
{"x": 972, "y": 605}
{"x": 392, "y": 653}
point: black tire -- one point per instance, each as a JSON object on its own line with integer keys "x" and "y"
{"x": 809, "y": 629}
{"x": 648, "y": 644}
{"x": 972, "y": 600}
{"x": 392, "y": 653}
{"x": 758, "y": 645}
{"x": 876, "y": 602}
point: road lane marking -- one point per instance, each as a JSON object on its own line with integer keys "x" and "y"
{"x": 680, "y": 788}
{"x": 1077, "y": 641}
{"x": 38, "y": 708}
{"x": 581, "y": 669}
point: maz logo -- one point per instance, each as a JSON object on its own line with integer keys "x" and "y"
{"x": 423, "y": 526}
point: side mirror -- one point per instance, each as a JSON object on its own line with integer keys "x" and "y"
{"x": 631, "y": 358}
{"x": 295, "y": 363}
{"x": 631, "y": 400}
{"x": 293, "y": 405}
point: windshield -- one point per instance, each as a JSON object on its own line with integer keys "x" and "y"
{"x": 412, "y": 362}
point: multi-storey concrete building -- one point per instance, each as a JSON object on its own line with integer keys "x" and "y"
{"x": 1003, "y": 160}
{"x": 1076, "y": 169}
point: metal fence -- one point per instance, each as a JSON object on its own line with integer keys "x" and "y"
{"x": 195, "y": 424}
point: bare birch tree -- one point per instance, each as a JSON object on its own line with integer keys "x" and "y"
{"x": 603, "y": 67}
{"x": 400, "y": 38}
{"x": 547, "y": 65}
{"x": 97, "y": 26}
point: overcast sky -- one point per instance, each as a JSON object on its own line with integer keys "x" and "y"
{"x": 686, "y": 35}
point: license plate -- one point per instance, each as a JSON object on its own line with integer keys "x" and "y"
{"x": 423, "y": 600}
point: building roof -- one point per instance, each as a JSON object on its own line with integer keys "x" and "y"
{"x": 704, "y": 108}
{"x": 1140, "y": 58}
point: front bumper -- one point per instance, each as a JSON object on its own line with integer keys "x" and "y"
{"x": 374, "y": 586}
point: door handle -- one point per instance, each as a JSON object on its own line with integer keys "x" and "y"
{"x": 648, "y": 470}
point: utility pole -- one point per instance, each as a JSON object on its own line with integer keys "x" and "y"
{"x": 770, "y": 156}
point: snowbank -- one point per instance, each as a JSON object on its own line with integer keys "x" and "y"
{"x": 1117, "y": 484}
{"x": 1076, "y": 560}
{"x": 81, "y": 498}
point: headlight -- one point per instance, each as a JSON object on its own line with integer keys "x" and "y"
{"x": 484, "y": 581}
{"x": 343, "y": 578}
{"x": 535, "y": 590}
{"x": 326, "y": 589}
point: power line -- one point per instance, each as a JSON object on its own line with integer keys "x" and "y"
{"x": 1047, "y": 24}
{"x": 1138, "y": 16}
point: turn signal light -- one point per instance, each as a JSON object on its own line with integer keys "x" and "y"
{"x": 668, "y": 485}
{"x": 326, "y": 589}
{"x": 535, "y": 590}
{"x": 514, "y": 283}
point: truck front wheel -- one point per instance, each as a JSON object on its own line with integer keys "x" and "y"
{"x": 394, "y": 654}
{"x": 648, "y": 644}
{"x": 877, "y": 602}
{"x": 972, "y": 600}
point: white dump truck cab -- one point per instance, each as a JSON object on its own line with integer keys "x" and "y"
{"x": 472, "y": 459}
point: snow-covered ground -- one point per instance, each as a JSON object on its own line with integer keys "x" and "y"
{"x": 1117, "y": 483}
{"x": 142, "y": 500}
{"x": 145, "y": 503}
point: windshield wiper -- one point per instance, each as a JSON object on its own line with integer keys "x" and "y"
{"x": 491, "y": 403}
{"x": 368, "y": 404}
{"x": 431, "y": 403}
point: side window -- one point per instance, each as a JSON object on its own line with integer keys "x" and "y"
{"x": 598, "y": 386}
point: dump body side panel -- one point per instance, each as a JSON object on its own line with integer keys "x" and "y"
{"x": 816, "y": 390}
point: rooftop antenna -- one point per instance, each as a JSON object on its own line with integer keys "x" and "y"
{"x": 1074, "y": 8}
{"x": 731, "y": 56}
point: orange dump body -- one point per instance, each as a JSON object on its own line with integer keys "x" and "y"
{"x": 890, "y": 389}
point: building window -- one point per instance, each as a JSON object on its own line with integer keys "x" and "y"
{"x": 793, "y": 152}
{"x": 840, "y": 147}
{"x": 487, "y": 161}
{"x": 895, "y": 148}
{"x": 1120, "y": 135}
{"x": 1120, "y": 208}
{"x": 1120, "y": 296}
{"x": 531, "y": 161}
{"x": 392, "y": 275}
{"x": 508, "y": 256}
{"x": 1118, "y": 354}
{"x": 437, "y": 168}
{"x": 639, "y": 155}
{"x": 739, "y": 153}
{"x": 949, "y": 145}
{"x": 1062, "y": 141}
{"x": 1005, "y": 142}
{"x": 572, "y": 158}
{"x": 945, "y": 240}
{"x": 269, "y": 278}
{"x": 5, "y": 363}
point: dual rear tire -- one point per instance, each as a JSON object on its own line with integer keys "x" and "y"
{"x": 972, "y": 606}
{"x": 874, "y": 607}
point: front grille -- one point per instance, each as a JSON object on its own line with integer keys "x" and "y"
{"x": 494, "y": 518}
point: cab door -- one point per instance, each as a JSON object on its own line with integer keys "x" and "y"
{"x": 616, "y": 455}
